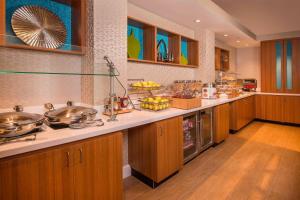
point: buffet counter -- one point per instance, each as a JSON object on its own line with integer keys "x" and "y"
{"x": 51, "y": 137}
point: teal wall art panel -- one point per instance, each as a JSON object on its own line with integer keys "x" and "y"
{"x": 289, "y": 67}
{"x": 64, "y": 12}
{"x": 184, "y": 52}
{"x": 278, "y": 47}
{"x": 135, "y": 42}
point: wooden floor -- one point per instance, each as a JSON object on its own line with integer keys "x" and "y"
{"x": 260, "y": 162}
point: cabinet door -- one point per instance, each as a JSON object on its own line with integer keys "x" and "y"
{"x": 217, "y": 58}
{"x": 242, "y": 112}
{"x": 64, "y": 172}
{"x": 269, "y": 107}
{"x": 98, "y": 168}
{"x": 168, "y": 147}
{"x": 27, "y": 177}
{"x": 221, "y": 121}
{"x": 272, "y": 61}
{"x": 291, "y": 109}
{"x": 292, "y": 66}
{"x": 141, "y": 149}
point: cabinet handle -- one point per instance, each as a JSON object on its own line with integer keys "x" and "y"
{"x": 81, "y": 155}
{"x": 161, "y": 130}
{"x": 68, "y": 159}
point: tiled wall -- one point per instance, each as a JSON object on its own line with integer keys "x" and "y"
{"x": 206, "y": 71}
{"x": 110, "y": 38}
{"x": 30, "y": 90}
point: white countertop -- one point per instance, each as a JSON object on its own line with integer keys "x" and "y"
{"x": 277, "y": 94}
{"x": 50, "y": 137}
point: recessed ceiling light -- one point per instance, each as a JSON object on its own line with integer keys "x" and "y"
{"x": 238, "y": 41}
{"x": 225, "y": 35}
{"x": 197, "y": 20}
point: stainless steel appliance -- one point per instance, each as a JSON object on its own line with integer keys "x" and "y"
{"x": 197, "y": 133}
{"x": 190, "y": 136}
{"x": 249, "y": 84}
{"x": 206, "y": 128}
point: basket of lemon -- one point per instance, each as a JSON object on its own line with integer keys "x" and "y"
{"x": 146, "y": 85}
{"x": 155, "y": 103}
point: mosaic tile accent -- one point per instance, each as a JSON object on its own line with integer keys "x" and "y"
{"x": 110, "y": 38}
{"x": 206, "y": 71}
{"x": 87, "y": 82}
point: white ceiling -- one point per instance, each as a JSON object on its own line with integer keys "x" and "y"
{"x": 265, "y": 17}
{"x": 212, "y": 17}
{"x": 245, "y": 20}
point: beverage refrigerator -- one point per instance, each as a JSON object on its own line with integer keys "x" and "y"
{"x": 197, "y": 133}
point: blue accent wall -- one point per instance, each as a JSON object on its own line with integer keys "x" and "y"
{"x": 139, "y": 35}
{"x": 64, "y": 12}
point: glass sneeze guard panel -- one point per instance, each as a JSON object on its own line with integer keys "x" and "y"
{"x": 289, "y": 69}
{"x": 278, "y": 47}
{"x": 25, "y": 61}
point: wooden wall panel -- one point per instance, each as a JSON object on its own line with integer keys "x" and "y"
{"x": 2, "y": 21}
{"x": 296, "y": 66}
{"x": 268, "y": 66}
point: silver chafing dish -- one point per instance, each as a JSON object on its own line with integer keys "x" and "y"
{"x": 69, "y": 115}
{"x": 19, "y": 123}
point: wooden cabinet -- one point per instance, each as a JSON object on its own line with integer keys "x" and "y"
{"x": 91, "y": 169}
{"x": 269, "y": 107}
{"x": 28, "y": 177}
{"x": 242, "y": 112}
{"x": 291, "y": 109}
{"x": 185, "y": 51}
{"x": 222, "y": 58}
{"x": 155, "y": 150}
{"x": 278, "y": 108}
{"x": 221, "y": 122}
{"x": 280, "y": 66}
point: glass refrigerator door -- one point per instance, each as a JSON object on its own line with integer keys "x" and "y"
{"x": 190, "y": 137}
{"x": 206, "y": 128}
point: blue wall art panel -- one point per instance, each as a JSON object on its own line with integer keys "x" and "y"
{"x": 64, "y": 12}
{"x": 184, "y": 52}
{"x": 135, "y": 42}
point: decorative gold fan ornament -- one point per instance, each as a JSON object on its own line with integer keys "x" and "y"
{"x": 38, "y": 27}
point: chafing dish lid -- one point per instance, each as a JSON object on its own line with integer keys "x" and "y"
{"x": 69, "y": 112}
{"x": 9, "y": 120}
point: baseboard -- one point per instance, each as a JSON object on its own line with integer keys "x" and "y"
{"x": 126, "y": 171}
